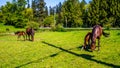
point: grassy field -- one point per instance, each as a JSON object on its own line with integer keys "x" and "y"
{"x": 11, "y": 28}
{"x": 59, "y": 50}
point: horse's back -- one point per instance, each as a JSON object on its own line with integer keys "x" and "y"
{"x": 97, "y": 31}
{"x": 30, "y": 31}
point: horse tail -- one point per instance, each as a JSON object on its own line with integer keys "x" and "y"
{"x": 105, "y": 34}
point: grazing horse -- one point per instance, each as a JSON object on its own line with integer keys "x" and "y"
{"x": 87, "y": 41}
{"x": 20, "y": 33}
{"x": 30, "y": 32}
{"x": 96, "y": 34}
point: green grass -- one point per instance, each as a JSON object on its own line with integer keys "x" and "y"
{"x": 59, "y": 50}
{"x": 11, "y": 28}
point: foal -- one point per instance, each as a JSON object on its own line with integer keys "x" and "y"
{"x": 87, "y": 41}
{"x": 20, "y": 33}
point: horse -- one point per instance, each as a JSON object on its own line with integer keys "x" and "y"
{"x": 87, "y": 41}
{"x": 30, "y": 32}
{"x": 20, "y": 33}
{"x": 97, "y": 31}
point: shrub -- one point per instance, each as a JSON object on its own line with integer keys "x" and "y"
{"x": 58, "y": 28}
{"x": 33, "y": 24}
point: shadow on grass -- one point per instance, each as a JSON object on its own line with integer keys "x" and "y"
{"x": 38, "y": 60}
{"x": 85, "y": 56}
{"x": 81, "y": 48}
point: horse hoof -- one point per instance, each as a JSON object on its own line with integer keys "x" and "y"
{"x": 82, "y": 48}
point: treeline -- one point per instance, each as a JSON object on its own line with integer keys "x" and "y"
{"x": 70, "y": 13}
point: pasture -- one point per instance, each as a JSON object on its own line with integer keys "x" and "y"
{"x": 59, "y": 50}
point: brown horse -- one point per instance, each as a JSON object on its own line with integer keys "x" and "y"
{"x": 20, "y": 33}
{"x": 87, "y": 41}
{"x": 96, "y": 34}
{"x": 30, "y": 33}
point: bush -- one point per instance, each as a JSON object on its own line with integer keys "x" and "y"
{"x": 58, "y": 28}
{"x": 33, "y": 24}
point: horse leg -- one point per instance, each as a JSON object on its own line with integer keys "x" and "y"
{"x": 84, "y": 46}
{"x": 89, "y": 42}
{"x": 98, "y": 44}
{"x": 32, "y": 37}
{"x": 29, "y": 37}
{"x": 24, "y": 37}
{"x": 18, "y": 37}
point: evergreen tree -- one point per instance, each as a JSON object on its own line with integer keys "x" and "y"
{"x": 46, "y": 11}
{"x": 34, "y": 8}
{"x": 51, "y": 10}
{"x": 104, "y": 12}
{"x": 59, "y": 13}
{"x": 93, "y": 13}
{"x": 41, "y": 10}
{"x": 83, "y": 8}
{"x": 28, "y": 6}
{"x": 72, "y": 13}
{"x": 38, "y": 7}
{"x": 21, "y": 4}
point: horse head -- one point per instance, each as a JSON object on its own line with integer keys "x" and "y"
{"x": 93, "y": 46}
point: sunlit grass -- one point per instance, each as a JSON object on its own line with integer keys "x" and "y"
{"x": 59, "y": 50}
{"x": 11, "y": 28}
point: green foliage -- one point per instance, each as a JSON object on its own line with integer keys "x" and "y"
{"x": 21, "y": 23}
{"x": 48, "y": 21}
{"x": 28, "y": 14}
{"x": 33, "y": 25}
{"x": 39, "y": 13}
{"x": 104, "y": 12}
{"x": 72, "y": 13}
{"x": 58, "y": 28}
{"x": 14, "y": 14}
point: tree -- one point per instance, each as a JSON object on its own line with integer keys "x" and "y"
{"x": 59, "y": 18}
{"x": 93, "y": 13}
{"x": 104, "y": 12}
{"x": 21, "y": 4}
{"x": 28, "y": 6}
{"x": 46, "y": 11}
{"x": 34, "y": 8}
{"x": 84, "y": 8}
{"x": 13, "y": 13}
{"x": 41, "y": 10}
{"x": 72, "y": 13}
{"x": 51, "y": 10}
{"x": 48, "y": 21}
{"x": 38, "y": 7}
{"x": 28, "y": 13}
